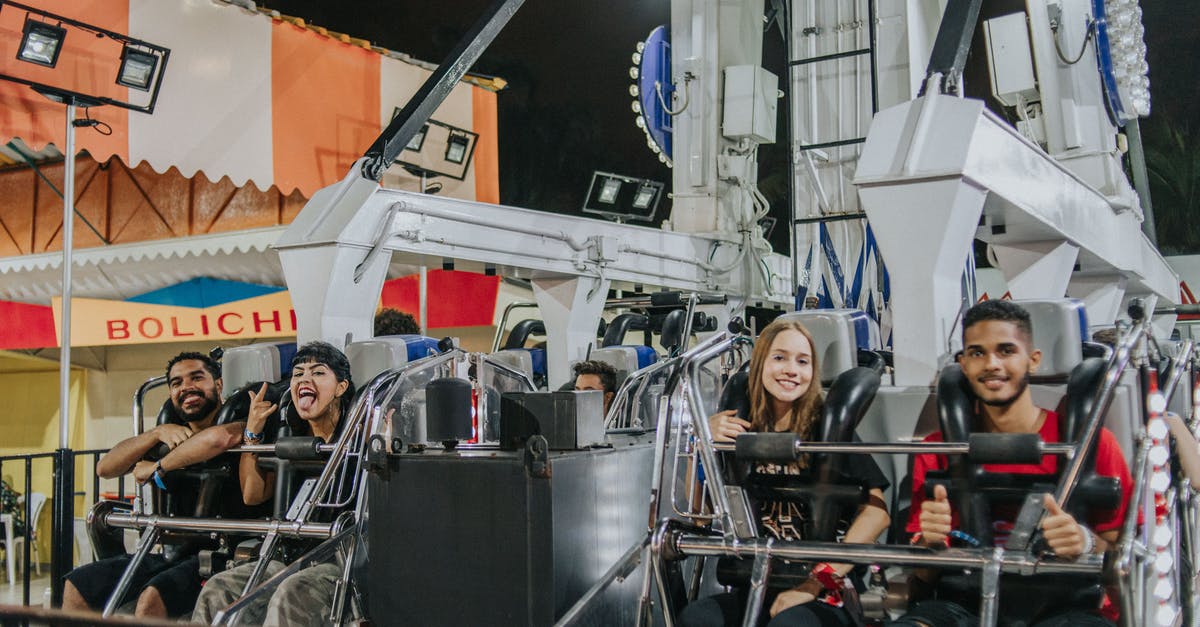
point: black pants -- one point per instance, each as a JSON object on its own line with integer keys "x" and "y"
{"x": 727, "y": 609}
{"x": 949, "y": 614}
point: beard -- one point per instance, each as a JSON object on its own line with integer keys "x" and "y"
{"x": 200, "y": 413}
{"x": 1022, "y": 385}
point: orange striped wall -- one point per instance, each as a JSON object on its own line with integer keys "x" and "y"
{"x": 324, "y": 106}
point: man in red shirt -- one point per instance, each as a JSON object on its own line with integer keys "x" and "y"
{"x": 997, "y": 360}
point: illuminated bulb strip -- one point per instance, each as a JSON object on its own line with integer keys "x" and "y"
{"x": 1127, "y": 46}
{"x": 1160, "y": 483}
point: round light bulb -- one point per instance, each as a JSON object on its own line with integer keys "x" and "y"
{"x": 639, "y": 122}
{"x": 637, "y": 58}
{"x": 633, "y": 72}
{"x": 636, "y": 106}
{"x": 1165, "y": 616}
{"x": 1163, "y": 589}
{"x": 1157, "y": 429}
{"x": 1160, "y": 481}
{"x": 633, "y": 91}
{"x": 1162, "y": 536}
{"x": 1157, "y": 402}
{"x": 1159, "y": 455}
{"x": 1163, "y": 563}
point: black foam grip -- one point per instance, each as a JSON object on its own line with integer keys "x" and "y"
{"x": 1004, "y": 448}
{"x": 1097, "y": 491}
{"x": 766, "y": 447}
{"x": 666, "y": 299}
{"x": 297, "y": 448}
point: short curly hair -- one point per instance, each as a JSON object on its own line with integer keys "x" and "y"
{"x": 1002, "y": 311}
{"x": 606, "y": 372}
{"x": 210, "y": 364}
{"x": 395, "y": 322}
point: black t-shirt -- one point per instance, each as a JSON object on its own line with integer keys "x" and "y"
{"x": 784, "y": 520}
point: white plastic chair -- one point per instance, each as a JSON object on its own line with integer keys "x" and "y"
{"x": 37, "y": 501}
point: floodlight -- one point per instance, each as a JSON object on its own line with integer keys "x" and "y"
{"x": 41, "y": 42}
{"x": 608, "y": 191}
{"x": 438, "y": 149}
{"x": 418, "y": 140}
{"x": 456, "y": 148}
{"x": 622, "y": 198}
{"x": 137, "y": 68}
{"x": 644, "y": 196}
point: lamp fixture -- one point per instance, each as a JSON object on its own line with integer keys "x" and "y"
{"x": 622, "y": 198}
{"x": 418, "y": 140}
{"x": 140, "y": 66}
{"x": 456, "y": 148}
{"x": 137, "y": 68}
{"x": 41, "y": 42}
{"x": 438, "y": 149}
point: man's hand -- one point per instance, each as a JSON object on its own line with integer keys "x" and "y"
{"x": 1062, "y": 532}
{"x": 171, "y": 434}
{"x": 936, "y": 518}
{"x": 256, "y": 417}
{"x": 143, "y": 471}
{"x": 797, "y": 596}
{"x": 726, "y": 426}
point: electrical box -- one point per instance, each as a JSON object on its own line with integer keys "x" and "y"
{"x": 1010, "y": 59}
{"x": 751, "y": 99}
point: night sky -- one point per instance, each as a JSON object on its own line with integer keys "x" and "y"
{"x": 566, "y": 112}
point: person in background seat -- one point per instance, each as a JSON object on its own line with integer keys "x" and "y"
{"x": 597, "y": 375}
{"x": 395, "y": 322}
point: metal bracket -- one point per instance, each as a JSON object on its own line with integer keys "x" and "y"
{"x": 537, "y": 457}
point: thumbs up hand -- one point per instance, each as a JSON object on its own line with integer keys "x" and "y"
{"x": 935, "y": 518}
{"x": 1064, "y": 535}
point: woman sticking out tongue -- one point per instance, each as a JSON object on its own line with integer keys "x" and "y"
{"x": 321, "y": 388}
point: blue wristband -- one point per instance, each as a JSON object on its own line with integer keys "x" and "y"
{"x": 157, "y": 476}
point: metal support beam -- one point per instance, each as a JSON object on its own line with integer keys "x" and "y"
{"x": 416, "y": 113}
{"x": 61, "y": 558}
{"x": 952, "y": 43}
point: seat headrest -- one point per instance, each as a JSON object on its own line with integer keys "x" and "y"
{"x": 1059, "y": 331}
{"x": 614, "y": 335}
{"x": 531, "y": 361}
{"x": 253, "y": 362}
{"x": 846, "y": 403}
{"x": 626, "y": 359}
{"x": 735, "y": 394}
{"x": 522, "y": 330}
{"x": 370, "y": 357}
{"x": 838, "y": 335}
{"x": 955, "y": 404}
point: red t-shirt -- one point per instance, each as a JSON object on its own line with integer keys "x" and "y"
{"x": 1110, "y": 462}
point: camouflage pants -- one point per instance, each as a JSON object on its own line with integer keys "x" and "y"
{"x": 302, "y": 599}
